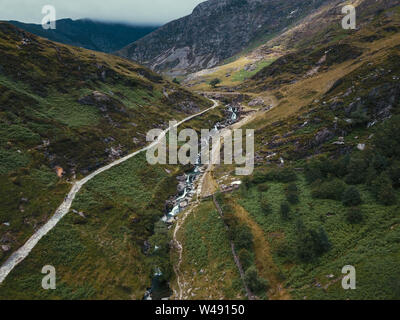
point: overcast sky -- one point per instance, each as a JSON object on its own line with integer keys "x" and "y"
{"x": 132, "y": 11}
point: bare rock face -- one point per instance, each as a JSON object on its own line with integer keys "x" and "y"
{"x": 215, "y": 31}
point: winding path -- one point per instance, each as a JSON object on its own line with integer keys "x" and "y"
{"x": 19, "y": 255}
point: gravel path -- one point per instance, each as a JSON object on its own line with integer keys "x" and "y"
{"x": 19, "y": 255}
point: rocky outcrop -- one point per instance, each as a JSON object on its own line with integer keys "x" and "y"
{"x": 215, "y": 31}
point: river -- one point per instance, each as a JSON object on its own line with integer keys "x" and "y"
{"x": 160, "y": 290}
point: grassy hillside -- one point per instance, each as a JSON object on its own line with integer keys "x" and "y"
{"x": 94, "y": 35}
{"x": 72, "y": 110}
{"x": 208, "y": 268}
{"x": 325, "y": 192}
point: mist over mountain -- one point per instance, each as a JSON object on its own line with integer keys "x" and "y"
{"x": 94, "y": 35}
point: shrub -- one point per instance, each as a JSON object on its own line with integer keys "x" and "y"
{"x": 292, "y": 193}
{"x": 285, "y": 211}
{"x": 242, "y": 237}
{"x": 394, "y": 173}
{"x": 263, "y": 187}
{"x": 259, "y": 177}
{"x": 322, "y": 243}
{"x": 256, "y": 284}
{"x": 383, "y": 190}
{"x": 340, "y": 166}
{"x": 328, "y": 190}
{"x": 292, "y": 187}
{"x": 387, "y": 195}
{"x": 246, "y": 259}
{"x": 356, "y": 171}
{"x": 215, "y": 82}
{"x": 354, "y": 215}
{"x": 313, "y": 171}
{"x": 265, "y": 205}
{"x": 360, "y": 117}
{"x": 311, "y": 243}
{"x": 351, "y": 197}
{"x": 281, "y": 175}
{"x": 292, "y": 197}
{"x": 286, "y": 175}
{"x": 387, "y": 139}
{"x": 379, "y": 162}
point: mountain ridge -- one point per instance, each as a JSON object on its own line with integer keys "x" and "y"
{"x": 90, "y": 34}
{"x": 216, "y": 30}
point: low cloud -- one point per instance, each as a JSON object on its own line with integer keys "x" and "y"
{"x": 129, "y": 11}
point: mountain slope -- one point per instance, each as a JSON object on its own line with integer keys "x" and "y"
{"x": 93, "y": 35}
{"x": 69, "y": 111}
{"x": 325, "y": 190}
{"x": 215, "y": 31}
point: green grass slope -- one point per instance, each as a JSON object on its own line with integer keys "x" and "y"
{"x": 71, "y": 108}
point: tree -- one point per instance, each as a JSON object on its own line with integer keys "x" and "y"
{"x": 176, "y": 81}
{"x": 332, "y": 189}
{"x": 292, "y": 197}
{"x": 264, "y": 187}
{"x": 292, "y": 187}
{"x": 243, "y": 238}
{"x": 215, "y": 82}
{"x": 285, "y": 210}
{"x": 356, "y": 168}
{"x": 351, "y": 197}
{"x": 311, "y": 243}
{"x": 246, "y": 259}
{"x": 383, "y": 190}
{"x": 322, "y": 243}
{"x": 387, "y": 139}
{"x": 354, "y": 215}
{"x": 255, "y": 283}
{"x": 313, "y": 171}
{"x": 265, "y": 205}
{"x": 292, "y": 193}
{"x": 394, "y": 173}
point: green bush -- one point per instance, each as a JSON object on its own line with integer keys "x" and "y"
{"x": 394, "y": 173}
{"x": 314, "y": 171}
{"x": 383, "y": 190}
{"x": 285, "y": 211}
{"x": 292, "y": 187}
{"x": 360, "y": 117}
{"x": 356, "y": 171}
{"x": 311, "y": 243}
{"x": 264, "y": 187}
{"x": 286, "y": 175}
{"x": 242, "y": 237}
{"x": 354, "y": 215}
{"x": 292, "y": 193}
{"x": 246, "y": 258}
{"x": 292, "y": 198}
{"x": 256, "y": 284}
{"x": 265, "y": 205}
{"x": 351, "y": 197}
{"x": 387, "y": 139}
{"x": 332, "y": 189}
{"x": 215, "y": 82}
{"x": 281, "y": 175}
